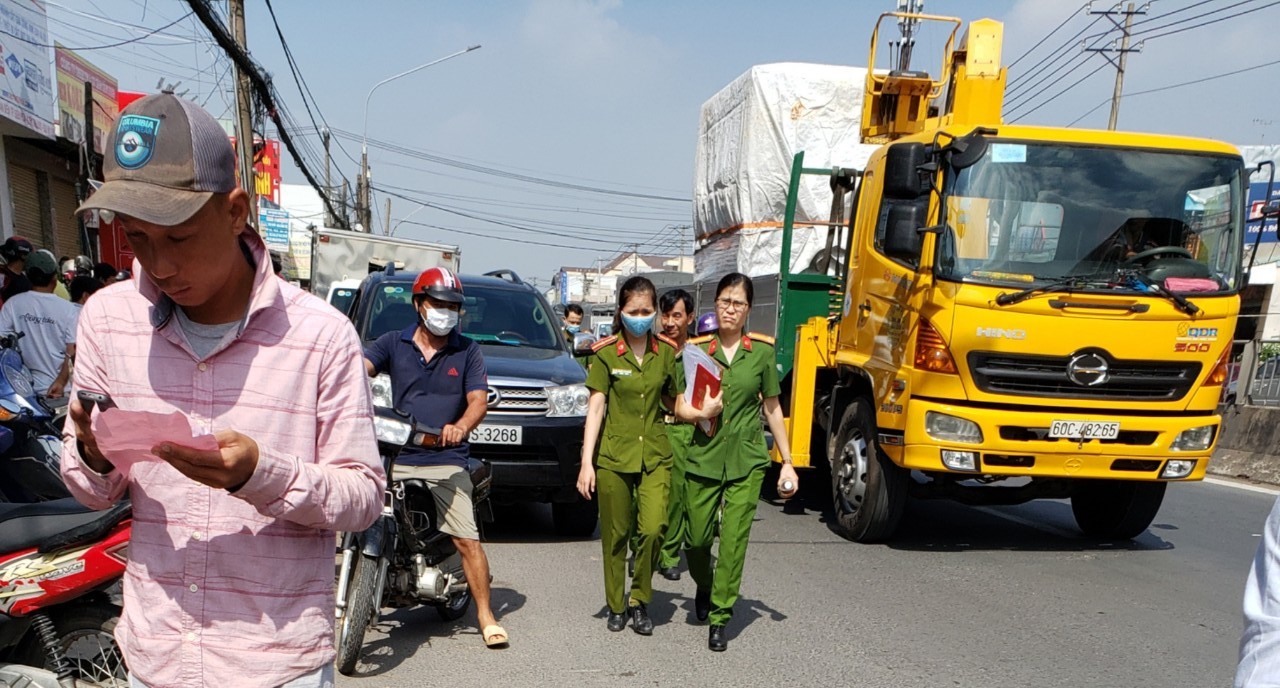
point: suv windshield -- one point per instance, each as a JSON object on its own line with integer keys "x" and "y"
{"x": 1029, "y": 213}
{"x": 490, "y": 316}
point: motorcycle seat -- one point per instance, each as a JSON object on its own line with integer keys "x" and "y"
{"x": 23, "y": 526}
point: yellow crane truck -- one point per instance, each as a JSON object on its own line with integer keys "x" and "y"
{"x": 1026, "y": 312}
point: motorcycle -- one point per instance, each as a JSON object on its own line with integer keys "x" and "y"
{"x": 57, "y": 560}
{"x": 30, "y": 433}
{"x": 403, "y": 559}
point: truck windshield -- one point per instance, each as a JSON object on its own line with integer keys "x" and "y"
{"x": 503, "y": 317}
{"x": 1118, "y": 219}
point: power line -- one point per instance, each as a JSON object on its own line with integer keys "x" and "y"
{"x": 404, "y": 150}
{"x": 1025, "y": 81}
{"x": 1058, "y": 94}
{"x": 246, "y": 64}
{"x": 1042, "y": 41}
{"x": 501, "y": 238}
{"x": 94, "y": 47}
{"x": 1178, "y": 85}
{"x": 1203, "y": 24}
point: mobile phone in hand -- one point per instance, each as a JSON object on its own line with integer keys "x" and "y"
{"x": 89, "y": 400}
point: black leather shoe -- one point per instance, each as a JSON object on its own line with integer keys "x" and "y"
{"x": 617, "y": 622}
{"x": 702, "y": 604}
{"x": 640, "y": 621}
{"x": 716, "y": 641}
{"x": 671, "y": 573}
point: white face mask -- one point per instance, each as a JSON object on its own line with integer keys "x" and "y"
{"x": 440, "y": 321}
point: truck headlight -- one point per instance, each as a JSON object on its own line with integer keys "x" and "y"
{"x": 567, "y": 401}
{"x": 941, "y": 426}
{"x": 1195, "y": 439}
{"x": 381, "y": 388}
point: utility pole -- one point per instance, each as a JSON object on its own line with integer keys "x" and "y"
{"x": 244, "y": 106}
{"x": 1124, "y": 51}
{"x": 328, "y": 183}
{"x": 386, "y": 221}
{"x": 86, "y": 172}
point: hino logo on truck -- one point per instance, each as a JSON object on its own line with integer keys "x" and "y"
{"x": 999, "y": 333}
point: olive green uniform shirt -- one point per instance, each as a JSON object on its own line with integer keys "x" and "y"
{"x": 738, "y": 445}
{"x": 634, "y": 438}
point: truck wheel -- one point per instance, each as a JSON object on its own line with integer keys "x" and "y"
{"x": 576, "y": 519}
{"x": 868, "y": 491}
{"x": 1115, "y": 509}
{"x": 360, "y": 610}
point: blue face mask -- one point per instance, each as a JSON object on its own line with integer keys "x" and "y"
{"x": 572, "y": 329}
{"x": 637, "y": 325}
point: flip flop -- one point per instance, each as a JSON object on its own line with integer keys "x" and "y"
{"x": 495, "y": 636}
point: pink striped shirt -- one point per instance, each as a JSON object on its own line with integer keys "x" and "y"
{"x": 221, "y": 588}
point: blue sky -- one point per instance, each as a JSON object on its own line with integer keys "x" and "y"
{"x": 606, "y": 94}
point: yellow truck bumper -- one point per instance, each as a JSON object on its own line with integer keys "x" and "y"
{"x": 1014, "y": 443}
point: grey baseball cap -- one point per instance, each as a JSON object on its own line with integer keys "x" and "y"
{"x": 167, "y": 158}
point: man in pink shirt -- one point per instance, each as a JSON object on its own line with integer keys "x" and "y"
{"x": 230, "y": 575}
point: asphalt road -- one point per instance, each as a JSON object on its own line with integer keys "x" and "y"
{"x": 997, "y": 596}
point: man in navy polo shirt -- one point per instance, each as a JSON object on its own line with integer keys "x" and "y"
{"x": 438, "y": 377}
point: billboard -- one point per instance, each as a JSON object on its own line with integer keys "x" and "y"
{"x": 73, "y": 71}
{"x": 274, "y": 225}
{"x": 1257, "y": 199}
{"x": 26, "y": 86}
{"x": 266, "y": 169}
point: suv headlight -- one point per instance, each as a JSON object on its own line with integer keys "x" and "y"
{"x": 567, "y": 401}
{"x": 381, "y": 387}
{"x": 1195, "y": 439}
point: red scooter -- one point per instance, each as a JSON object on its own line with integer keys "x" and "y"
{"x": 57, "y": 561}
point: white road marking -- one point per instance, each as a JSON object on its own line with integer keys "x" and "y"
{"x": 1249, "y": 487}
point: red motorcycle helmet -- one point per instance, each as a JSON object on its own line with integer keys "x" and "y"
{"x": 440, "y": 284}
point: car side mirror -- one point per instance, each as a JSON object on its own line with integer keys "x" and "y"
{"x": 902, "y": 236}
{"x": 582, "y": 343}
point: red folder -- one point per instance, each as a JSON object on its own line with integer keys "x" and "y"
{"x": 703, "y": 381}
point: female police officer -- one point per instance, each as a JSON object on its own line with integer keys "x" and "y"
{"x": 629, "y": 375}
{"x": 729, "y": 465}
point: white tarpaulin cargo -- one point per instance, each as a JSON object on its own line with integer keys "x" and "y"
{"x": 748, "y": 134}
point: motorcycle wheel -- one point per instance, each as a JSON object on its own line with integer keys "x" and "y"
{"x": 360, "y": 610}
{"x": 455, "y": 607}
{"x": 86, "y": 634}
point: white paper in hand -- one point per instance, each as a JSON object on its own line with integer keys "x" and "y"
{"x": 126, "y": 437}
{"x": 700, "y": 369}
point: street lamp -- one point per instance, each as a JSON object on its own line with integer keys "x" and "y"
{"x": 364, "y": 141}
{"x": 406, "y": 217}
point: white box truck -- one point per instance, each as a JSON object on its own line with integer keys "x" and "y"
{"x": 341, "y": 257}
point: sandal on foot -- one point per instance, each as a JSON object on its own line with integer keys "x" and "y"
{"x": 494, "y": 636}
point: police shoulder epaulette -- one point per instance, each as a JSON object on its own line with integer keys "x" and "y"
{"x": 703, "y": 339}
{"x": 604, "y": 342}
{"x": 763, "y": 338}
{"x": 668, "y": 341}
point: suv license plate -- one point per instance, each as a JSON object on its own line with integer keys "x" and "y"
{"x": 1084, "y": 429}
{"x": 496, "y": 434}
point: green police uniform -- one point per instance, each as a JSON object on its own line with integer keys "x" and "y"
{"x": 634, "y": 458}
{"x": 681, "y": 436}
{"x": 729, "y": 466}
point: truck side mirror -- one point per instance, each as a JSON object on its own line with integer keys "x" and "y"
{"x": 902, "y": 237}
{"x": 902, "y": 171}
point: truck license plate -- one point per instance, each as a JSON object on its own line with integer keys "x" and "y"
{"x": 1084, "y": 429}
{"x": 496, "y": 434}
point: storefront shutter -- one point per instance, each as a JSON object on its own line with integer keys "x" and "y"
{"x": 66, "y": 229}
{"x": 25, "y": 192}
